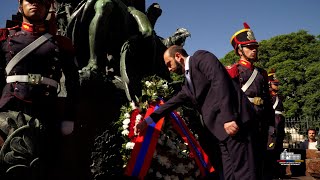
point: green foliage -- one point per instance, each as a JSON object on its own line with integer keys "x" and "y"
{"x": 296, "y": 58}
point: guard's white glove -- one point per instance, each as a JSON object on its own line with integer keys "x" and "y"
{"x": 67, "y": 127}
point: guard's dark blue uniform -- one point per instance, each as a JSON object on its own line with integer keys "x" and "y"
{"x": 49, "y": 61}
{"x": 264, "y": 116}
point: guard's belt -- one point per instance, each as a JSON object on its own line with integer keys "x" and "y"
{"x": 256, "y": 100}
{"x": 278, "y": 112}
{"x": 33, "y": 79}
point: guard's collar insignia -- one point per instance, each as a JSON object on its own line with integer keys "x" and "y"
{"x": 33, "y": 28}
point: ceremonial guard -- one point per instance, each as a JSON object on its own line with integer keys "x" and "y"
{"x": 279, "y": 124}
{"x": 254, "y": 83}
{"x": 32, "y": 61}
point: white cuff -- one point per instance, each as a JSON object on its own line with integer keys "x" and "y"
{"x": 149, "y": 120}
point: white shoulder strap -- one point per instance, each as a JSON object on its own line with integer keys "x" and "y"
{"x": 250, "y": 80}
{"x": 25, "y": 51}
{"x": 276, "y": 103}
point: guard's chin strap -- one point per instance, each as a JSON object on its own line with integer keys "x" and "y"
{"x": 248, "y": 59}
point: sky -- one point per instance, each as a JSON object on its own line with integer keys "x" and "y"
{"x": 212, "y": 23}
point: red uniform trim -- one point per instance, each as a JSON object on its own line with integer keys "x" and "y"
{"x": 246, "y": 64}
{"x": 4, "y": 32}
{"x": 233, "y": 70}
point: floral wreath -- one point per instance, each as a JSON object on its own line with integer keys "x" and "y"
{"x": 172, "y": 158}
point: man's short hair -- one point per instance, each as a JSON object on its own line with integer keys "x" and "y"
{"x": 311, "y": 129}
{"x": 175, "y": 48}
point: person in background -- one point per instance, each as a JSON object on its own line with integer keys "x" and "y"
{"x": 30, "y": 83}
{"x": 277, "y": 138}
{"x": 209, "y": 88}
{"x": 253, "y": 81}
{"x": 311, "y": 142}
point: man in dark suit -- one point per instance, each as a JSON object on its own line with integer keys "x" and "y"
{"x": 311, "y": 142}
{"x": 209, "y": 88}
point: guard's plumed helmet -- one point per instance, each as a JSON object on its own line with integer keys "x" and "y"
{"x": 272, "y": 76}
{"x": 243, "y": 37}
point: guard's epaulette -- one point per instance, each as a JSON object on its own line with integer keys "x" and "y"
{"x": 233, "y": 70}
{"x": 4, "y": 32}
{"x": 65, "y": 43}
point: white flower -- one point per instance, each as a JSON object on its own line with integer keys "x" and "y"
{"x": 125, "y": 126}
{"x": 125, "y": 132}
{"x": 138, "y": 117}
{"x": 126, "y": 121}
{"x": 183, "y": 146}
{"x": 190, "y": 165}
{"x": 184, "y": 152}
{"x": 167, "y": 177}
{"x": 148, "y": 84}
{"x": 127, "y": 115}
{"x": 158, "y": 174}
{"x": 133, "y": 105}
{"x": 165, "y": 86}
{"x": 180, "y": 169}
{"x": 154, "y": 154}
{"x": 163, "y": 160}
{"x": 130, "y": 145}
{"x": 171, "y": 144}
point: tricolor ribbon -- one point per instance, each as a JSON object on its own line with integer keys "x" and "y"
{"x": 200, "y": 156}
{"x": 144, "y": 148}
{"x": 146, "y": 142}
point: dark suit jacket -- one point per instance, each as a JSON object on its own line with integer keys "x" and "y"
{"x": 214, "y": 94}
{"x": 304, "y": 144}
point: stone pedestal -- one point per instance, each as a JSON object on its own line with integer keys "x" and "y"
{"x": 313, "y": 163}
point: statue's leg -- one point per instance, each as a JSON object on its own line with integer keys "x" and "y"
{"x": 103, "y": 9}
{"x": 142, "y": 20}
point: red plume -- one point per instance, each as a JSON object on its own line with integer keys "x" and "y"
{"x": 246, "y": 26}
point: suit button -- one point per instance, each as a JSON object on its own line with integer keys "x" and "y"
{"x": 46, "y": 93}
{"x": 53, "y": 67}
{"x": 56, "y": 50}
{"x": 16, "y": 89}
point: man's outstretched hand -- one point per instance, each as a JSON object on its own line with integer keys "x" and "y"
{"x": 140, "y": 127}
